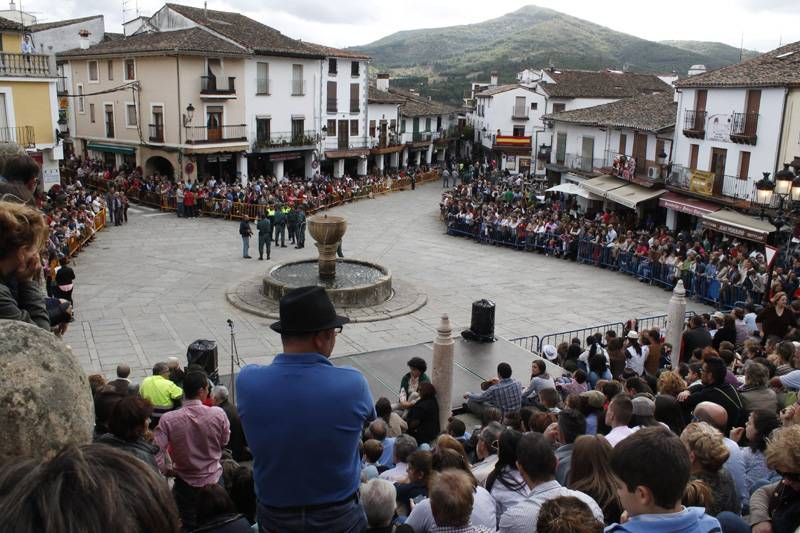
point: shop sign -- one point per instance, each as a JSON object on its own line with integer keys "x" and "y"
{"x": 702, "y": 182}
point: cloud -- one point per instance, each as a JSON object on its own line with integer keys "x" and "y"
{"x": 336, "y": 12}
{"x": 790, "y": 6}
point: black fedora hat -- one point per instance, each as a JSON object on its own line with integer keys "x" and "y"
{"x": 306, "y": 310}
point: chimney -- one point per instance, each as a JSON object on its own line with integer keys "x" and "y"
{"x": 382, "y": 83}
{"x": 12, "y": 6}
{"x": 493, "y": 79}
{"x": 84, "y": 39}
{"x": 696, "y": 69}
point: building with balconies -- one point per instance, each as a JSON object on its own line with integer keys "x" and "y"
{"x": 618, "y": 152}
{"x": 734, "y": 124}
{"x": 28, "y": 103}
{"x": 383, "y": 114}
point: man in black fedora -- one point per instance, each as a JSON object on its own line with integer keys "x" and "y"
{"x": 303, "y": 419}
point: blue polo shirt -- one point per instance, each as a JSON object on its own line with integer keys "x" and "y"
{"x": 303, "y": 419}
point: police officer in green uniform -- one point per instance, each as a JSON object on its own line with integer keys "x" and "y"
{"x": 291, "y": 224}
{"x": 280, "y": 225}
{"x": 301, "y": 228}
{"x": 264, "y": 227}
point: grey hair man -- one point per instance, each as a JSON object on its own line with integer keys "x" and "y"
{"x": 404, "y": 445}
{"x": 238, "y": 442}
{"x": 487, "y": 451}
{"x": 378, "y": 497}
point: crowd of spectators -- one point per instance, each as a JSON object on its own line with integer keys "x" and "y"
{"x": 713, "y": 266}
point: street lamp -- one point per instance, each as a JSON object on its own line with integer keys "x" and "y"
{"x": 187, "y": 118}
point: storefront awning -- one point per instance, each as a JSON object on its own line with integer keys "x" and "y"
{"x": 572, "y": 188}
{"x": 601, "y": 185}
{"x": 738, "y": 225}
{"x": 633, "y": 195}
{"x": 232, "y": 149}
{"x": 112, "y": 148}
{"x": 686, "y": 204}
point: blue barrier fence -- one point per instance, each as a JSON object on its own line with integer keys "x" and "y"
{"x": 705, "y": 286}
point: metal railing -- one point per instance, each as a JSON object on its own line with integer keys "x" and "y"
{"x": 204, "y": 134}
{"x": 335, "y": 143}
{"x": 726, "y": 186}
{"x": 332, "y": 105}
{"x": 262, "y": 86}
{"x": 213, "y": 85}
{"x": 288, "y": 138}
{"x": 61, "y": 85}
{"x": 298, "y": 87}
{"x": 33, "y": 65}
{"x": 24, "y": 136}
{"x": 355, "y": 105}
{"x": 694, "y": 121}
{"x": 157, "y": 133}
{"x": 744, "y": 126}
{"x": 519, "y": 113}
{"x": 421, "y": 136}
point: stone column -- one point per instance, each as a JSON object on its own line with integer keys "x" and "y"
{"x": 394, "y": 160}
{"x": 676, "y": 316}
{"x": 417, "y": 157}
{"x": 277, "y": 169}
{"x": 338, "y": 168}
{"x": 241, "y": 166}
{"x": 429, "y": 154}
{"x": 442, "y": 375}
{"x": 379, "y": 163}
{"x": 308, "y": 160}
{"x": 362, "y": 166}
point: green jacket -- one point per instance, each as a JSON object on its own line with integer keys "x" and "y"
{"x": 292, "y": 218}
{"x": 264, "y": 226}
{"x": 280, "y": 217}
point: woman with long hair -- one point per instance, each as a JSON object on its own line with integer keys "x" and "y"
{"x": 592, "y": 475}
{"x": 777, "y": 320}
{"x": 708, "y": 453}
{"x": 635, "y": 353}
{"x": 505, "y": 482}
{"x": 423, "y": 416}
{"x": 760, "y": 426}
{"x": 395, "y": 422}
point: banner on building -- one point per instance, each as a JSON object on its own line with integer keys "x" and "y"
{"x": 702, "y": 182}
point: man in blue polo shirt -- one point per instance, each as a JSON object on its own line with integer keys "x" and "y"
{"x": 302, "y": 408}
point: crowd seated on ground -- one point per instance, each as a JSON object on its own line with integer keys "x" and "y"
{"x": 713, "y": 266}
{"x": 219, "y": 195}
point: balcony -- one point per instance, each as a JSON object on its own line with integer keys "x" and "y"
{"x": 61, "y": 85}
{"x": 211, "y": 86}
{"x": 298, "y": 87}
{"x": 385, "y": 140}
{"x": 500, "y": 141}
{"x": 221, "y": 134}
{"x": 22, "y": 135}
{"x": 519, "y": 113}
{"x": 332, "y": 105}
{"x": 348, "y": 143}
{"x": 29, "y": 65}
{"x": 744, "y": 127}
{"x": 724, "y": 189}
{"x": 421, "y": 136}
{"x": 355, "y": 105}
{"x": 629, "y": 168}
{"x": 288, "y": 139}
{"x": 156, "y": 133}
{"x": 263, "y": 86}
{"x": 694, "y": 123}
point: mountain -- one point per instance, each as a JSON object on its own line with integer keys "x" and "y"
{"x": 723, "y": 52}
{"x": 442, "y": 61}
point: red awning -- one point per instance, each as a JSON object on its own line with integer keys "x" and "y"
{"x": 686, "y": 204}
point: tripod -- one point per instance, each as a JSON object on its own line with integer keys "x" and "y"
{"x": 235, "y": 359}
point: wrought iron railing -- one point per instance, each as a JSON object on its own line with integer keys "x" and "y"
{"x": 694, "y": 121}
{"x": 519, "y": 113}
{"x": 744, "y": 127}
{"x": 157, "y": 133}
{"x": 298, "y": 87}
{"x": 212, "y": 85}
{"x": 204, "y": 134}
{"x": 288, "y": 138}
{"x": 263, "y": 86}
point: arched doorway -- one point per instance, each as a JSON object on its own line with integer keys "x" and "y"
{"x": 161, "y": 165}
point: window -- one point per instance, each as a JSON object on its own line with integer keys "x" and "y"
{"x": 403, "y": 126}
{"x": 719, "y": 157}
{"x": 130, "y": 69}
{"x": 354, "y": 127}
{"x": 131, "y": 118}
{"x": 744, "y": 165}
{"x": 297, "y": 128}
{"x": 558, "y": 108}
{"x": 331, "y": 128}
{"x": 355, "y": 103}
{"x": 157, "y": 127}
{"x": 298, "y": 84}
{"x": 109, "y": 119}
{"x": 694, "y": 151}
{"x": 262, "y": 130}
{"x": 92, "y": 65}
{"x": 519, "y": 131}
{"x": 519, "y": 107}
{"x": 534, "y": 106}
{"x": 262, "y": 78}
{"x": 438, "y": 123}
{"x": 623, "y": 143}
{"x": 91, "y": 113}
{"x": 332, "y": 97}
{"x": 393, "y": 125}
{"x": 110, "y": 67}
{"x": 354, "y": 69}
{"x": 81, "y": 100}
{"x": 428, "y": 124}
{"x": 372, "y": 128}
{"x": 332, "y": 66}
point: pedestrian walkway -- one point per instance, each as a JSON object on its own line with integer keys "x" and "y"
{"x": 145, "y": 290}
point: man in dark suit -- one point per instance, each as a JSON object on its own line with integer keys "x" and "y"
{"x": 122, "y": 384}
{"x": 697, "y": 336}
{"x": 237, "y": 442}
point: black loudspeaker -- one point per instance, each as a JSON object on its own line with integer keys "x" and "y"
{"x": 481, "y": 326}
{"x": 204, "y": 353}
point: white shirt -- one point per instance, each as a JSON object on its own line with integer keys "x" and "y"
{"x": 636, "y": 361}
{"x": 483, "y": 513}
{"x": 504, "y": 497}
{"x": 482, "y": 469}
{"x": 522, "y": 518}
{"x": 617, "y": 434}
{"x": 397, "y": 474}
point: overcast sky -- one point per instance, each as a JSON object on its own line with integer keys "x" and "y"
{"x": 762, "y": 23}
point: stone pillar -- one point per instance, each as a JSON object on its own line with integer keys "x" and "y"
{"x": 241, "y": 166}
{"x": 429, "y": 154}
{"x": 277, "y": 169}
{"x": 379, "y": 159}
{"x": 308, "y": 159}
{"x": 394, "y": 160}
{"x": 676, "y": 316}
{"x": 338, "y": 168}
{"x": 362, "y": 166}
{"x": 443, "y": 155}
{"x": 417, "y": 157}
{"x": 442, "y": 375}
{"x": 672, "y": 219}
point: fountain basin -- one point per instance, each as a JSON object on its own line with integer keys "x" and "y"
{"x": 327, "y": 229}
{"x": 357, "y": 283}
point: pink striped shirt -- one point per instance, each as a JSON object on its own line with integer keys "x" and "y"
{"x": 196, "y": 435}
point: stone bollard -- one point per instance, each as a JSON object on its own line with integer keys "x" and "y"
{"x": 676, "y": 317}
{"x": 442, "y": 376}
{"x": 45, "y": 398}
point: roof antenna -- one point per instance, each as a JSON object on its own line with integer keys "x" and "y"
{"x": 741, "y": 48}
{"x": 205, "y": 10}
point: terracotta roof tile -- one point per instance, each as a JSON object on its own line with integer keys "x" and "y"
{"x": 192, "y": 40}
{"x": 59, "y": 23}
{"x": 651, "y": 112}
{"x": 382, "y": 97}
{"x": 415, "y": 105}
{"x": 491, "y": 91}
{"x": 603, "y": 84}
{"x": 9, "y": 25}
{"x": 778, "y": 68}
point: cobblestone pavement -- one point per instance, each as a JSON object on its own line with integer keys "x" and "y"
{"x": 145, "y": 290}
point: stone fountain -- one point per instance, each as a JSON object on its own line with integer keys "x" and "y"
{"x": 348, "y": 282}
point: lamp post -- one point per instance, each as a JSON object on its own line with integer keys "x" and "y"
{"x": 187, "y": 118}
{"x": 787, "y": 187}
